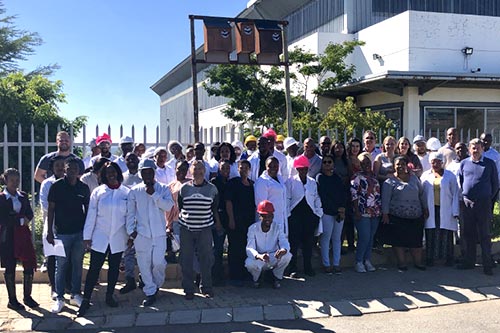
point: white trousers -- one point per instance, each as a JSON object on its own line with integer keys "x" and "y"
{"x": 151, "y": 261}
{"x": 255, "y": 266}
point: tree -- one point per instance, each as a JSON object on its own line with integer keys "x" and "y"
{"x": 256, "y": 94}
{"x": 346, "y": 115}
{"x": 30, "y": 98}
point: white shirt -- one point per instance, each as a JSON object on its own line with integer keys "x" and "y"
{"x": 90, "y": 179}
{"x": 291, "y": 170}
{"x": 260, "y": 242}
{"x": 44, "y": 193}
{"x": 296, "y": 191}
{"x": 121, "y": 163}
{"x": 130, "y": 180}
{"x": 163, "y": 175}
{"x": 266, "y": 188}
{"x": 424, "y": 160}
{"x": 492, "y": 154}
{"x": 146, "y": 213}
{"x": 106, "y": 219}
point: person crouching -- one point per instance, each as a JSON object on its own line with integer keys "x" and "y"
{"x": 267, "y": 246}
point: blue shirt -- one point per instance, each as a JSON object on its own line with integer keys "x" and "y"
{"x": 478, "y": 179}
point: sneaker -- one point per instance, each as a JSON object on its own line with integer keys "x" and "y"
{"x": 57, "y": 306}
{"x": 53, "y": 295}
{"x": 76, "y": 300}
{"x": 150, "y": 300}
{"x": 337, "y": 270}
{"x": 359, "y": 267}
{"x": 369, "y": 266}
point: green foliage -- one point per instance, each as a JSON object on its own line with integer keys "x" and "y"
{"x": 346, "y": 115}
{"x": 253, "y": 93}
{"x": 256, "y": 95}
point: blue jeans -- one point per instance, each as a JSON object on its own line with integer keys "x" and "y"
{"x": 332, "y": 234}
{"x": 73, "y": 247}
{"x": 366, "y": 227}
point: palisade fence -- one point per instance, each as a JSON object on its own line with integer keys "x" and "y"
{"x": 22, "y": 148}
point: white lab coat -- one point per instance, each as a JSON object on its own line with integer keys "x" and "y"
{"x": 449, "y": 200}
{"x": 106, "y": 219}
{"x": 296, "y": 190}
{"x": 266, "y": 188}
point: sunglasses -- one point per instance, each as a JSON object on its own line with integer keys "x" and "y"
{"x": 327, "y": 162}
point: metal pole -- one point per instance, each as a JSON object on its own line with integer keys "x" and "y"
{"x": 195, "y": 83}
{"x": 287, "y": 84}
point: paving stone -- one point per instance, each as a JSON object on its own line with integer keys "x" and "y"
{"x": 221, "y": 315}
{"x": 398, "y": 303}
{"x": 151, "y": 319}
{"x": 279, "y": 312}
{"x": 309, "y": 310}
{"x": 248, "y": 313}
{"x": 366, "y": 306}
{"x": 122, "y": 320}
{"x": 185, "y": 317}
{"x": 87, "y": 323}
{"x": 490, "y": 292}
{"x": 464, "y": 295}
{"x": 54, "y": 324}
{"x": 24, "y": 324}
{"x": 430, "y": 299}
{"x": 343, "y": 308}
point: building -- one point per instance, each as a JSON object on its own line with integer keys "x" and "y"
{"x": 428, "y": 64}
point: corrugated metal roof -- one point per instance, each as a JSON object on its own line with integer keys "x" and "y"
{"x": 261, "y": 9}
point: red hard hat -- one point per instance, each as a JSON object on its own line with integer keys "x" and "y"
{"x": 265, "y": 207}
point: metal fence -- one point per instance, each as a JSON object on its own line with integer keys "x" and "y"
{"x": 37, "y": 148}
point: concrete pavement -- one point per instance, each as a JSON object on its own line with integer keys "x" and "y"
{"x": 348, "y": 294}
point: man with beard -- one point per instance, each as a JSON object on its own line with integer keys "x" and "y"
{"x": 325, "y": 145}
{"x": 63, "y": 142}
{"x": 104, "y": 143}
{"x": 126, "y": 146}
{"x": 420, "y": 146}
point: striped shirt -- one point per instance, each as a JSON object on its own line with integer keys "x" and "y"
{"x": 196, "y": 203}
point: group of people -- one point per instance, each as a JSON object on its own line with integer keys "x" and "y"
{"x": 268, "y": 197}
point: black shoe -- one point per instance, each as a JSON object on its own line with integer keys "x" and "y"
{"x": 420, "y": 267}
{"x": 15, "y": 305}
{"x": 277, "y": 284}
{"x": 111, "y": 302}
{"x": 403, "y": 268}
{"x": 30, "y": 302}
{"x": 189, "y": 296}
{"x": 131, "y": 285}
{"x": 150, "y": 300}
{"x": 488, "y": 270}
{"x": 83, "y": 308}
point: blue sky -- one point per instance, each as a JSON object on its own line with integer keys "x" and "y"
{"x": 112, "y": 51}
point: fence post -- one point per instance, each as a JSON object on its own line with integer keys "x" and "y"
{"x": 20, "y": 153}
{"x": 5, "y": 148}
{"x": 32, "y": 146}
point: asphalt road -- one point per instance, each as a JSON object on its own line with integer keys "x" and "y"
{"x": 481, "y": 317}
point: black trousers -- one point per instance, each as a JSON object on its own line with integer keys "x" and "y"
{"x": 96, "y": 261}
{"x": 301, "y": 234}
{"x": 237, "y": 254}
{"x": 477, "y": 227}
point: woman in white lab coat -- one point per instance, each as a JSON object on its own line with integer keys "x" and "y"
{"x": 105, "y": 233}
{"x": 441, "y": 192}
